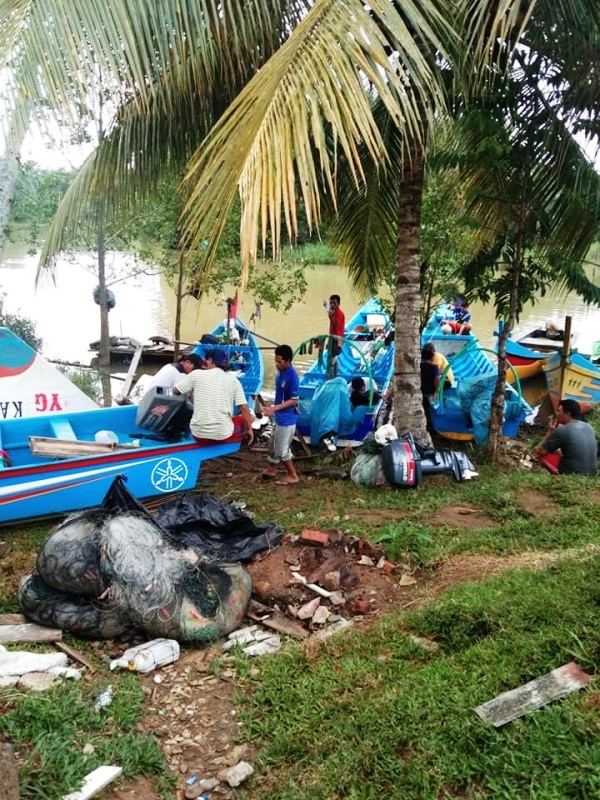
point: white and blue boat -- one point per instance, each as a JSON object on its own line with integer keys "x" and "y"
{"x": 245, "y": 356}
{"x": 56, "y": 463}
{"x": 368, "y": 353}
{"x": 463, "y": 411}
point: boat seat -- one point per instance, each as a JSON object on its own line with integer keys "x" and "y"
{"x": 62, "y": 429}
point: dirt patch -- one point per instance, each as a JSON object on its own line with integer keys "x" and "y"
{"x": 379, "y": 516}
{"x": 462, "y": 517}
{"x": 535, "y": 502}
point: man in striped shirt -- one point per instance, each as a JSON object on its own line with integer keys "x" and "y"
{"x": 216, "y": 392}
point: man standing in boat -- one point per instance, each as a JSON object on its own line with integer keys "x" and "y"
{"x": 337, "y": 325}
{"x": 570, "y": 446}
{"x": 215, "y": 393}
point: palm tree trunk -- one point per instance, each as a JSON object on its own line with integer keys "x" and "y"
{"x": 408, "y": 406}
{"x": 9, "y": 172}
{"x": 179, "y": 301}
{"x": 104, "y": 351}
{"x": 497, "y": 410}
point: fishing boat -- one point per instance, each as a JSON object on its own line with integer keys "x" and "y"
{"x": 56, "y": 463}
{"x": 463, "y": 410}
{"x": 245, "y": 356}
{"x": 528, "y": 353}
{"x": 31, "y": 385}
{"x": 367, "y": 353}
{"x": 574, "y": 376}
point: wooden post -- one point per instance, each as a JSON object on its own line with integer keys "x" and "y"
{"x": 130, "y": 373}
{"x": 564, "y": 356}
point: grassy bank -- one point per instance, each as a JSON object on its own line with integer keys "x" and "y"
{"x": 386, "y": 709}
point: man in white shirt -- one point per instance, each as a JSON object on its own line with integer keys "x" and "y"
{"x": 167, "y": 376}
{"x": 215, "y": 394}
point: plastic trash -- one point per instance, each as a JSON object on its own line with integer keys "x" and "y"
{"x": 106, "y": 437}
{"x": 104, "y": 699}
{"x": 149, "y": 656}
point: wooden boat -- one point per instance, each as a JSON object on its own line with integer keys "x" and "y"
{"x": 158, "y": 350}
{"x": 52, "y": 463}
{"x": 30, "y": 385}
{"x": 528, "y": 353}
{"x": 573, "y": 376}
{"x": 462, "y": 412}
{"x": 245, "y": 356}
{"x": 368, "y": 353}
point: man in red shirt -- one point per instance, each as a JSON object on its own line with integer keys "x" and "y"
{"x": 337, "y": 324}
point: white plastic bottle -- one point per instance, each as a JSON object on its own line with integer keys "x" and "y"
{"x": 146, "y": 657}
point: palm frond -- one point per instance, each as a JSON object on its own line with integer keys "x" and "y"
{"x": 318, "y": 87}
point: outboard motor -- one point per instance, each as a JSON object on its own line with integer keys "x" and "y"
{"x": 165, "y": 415}
{"x": 405, "y": 461}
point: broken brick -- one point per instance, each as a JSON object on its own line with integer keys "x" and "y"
{"x": 317, "y": 538}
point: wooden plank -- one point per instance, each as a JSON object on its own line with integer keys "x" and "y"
{"x": 94, "y": 782}
{"x": 65, "y": 448}
{"x": 75, "y": 655}
{"x": 278, "y": 621}
{"x": 130, "y": 374}
{"x": 29, "y": 632}
{"x": 13, "y": 619}
{"x": 533, "y": 695}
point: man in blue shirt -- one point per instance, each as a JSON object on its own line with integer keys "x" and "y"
{"x": 284, "y": 412}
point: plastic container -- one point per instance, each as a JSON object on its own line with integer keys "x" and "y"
{"x": 149, "y": 656}
{"x": 106, "y": 437}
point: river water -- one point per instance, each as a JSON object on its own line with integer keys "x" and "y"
{"x": 67, "y": 318}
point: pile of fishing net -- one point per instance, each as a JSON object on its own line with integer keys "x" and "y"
{"x": 118, "y": 570}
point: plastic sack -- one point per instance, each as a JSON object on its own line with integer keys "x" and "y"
{"x": 367, "y": 470}
{"x": 215, "y": 528}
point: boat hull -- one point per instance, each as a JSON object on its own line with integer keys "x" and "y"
{"x": 528, "y": 354}
{"x": 581, "y": 381}
{"x": 37, "y": 486}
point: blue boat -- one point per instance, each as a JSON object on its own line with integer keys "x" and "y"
{"x": 245, "y": 356}
{"x": 368, "y": 353}
{"x": 56, "y": 463}
{"x": 463, "y": 411}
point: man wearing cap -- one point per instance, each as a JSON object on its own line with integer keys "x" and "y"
{"x": 215, "y": 393}
{"x": 170, "y": 374}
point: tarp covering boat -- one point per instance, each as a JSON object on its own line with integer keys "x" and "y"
{"x": 30, "y": 385}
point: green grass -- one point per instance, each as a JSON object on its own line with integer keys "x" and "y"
{"x": 376, "y": 715}
{"x": 53, "y": 728}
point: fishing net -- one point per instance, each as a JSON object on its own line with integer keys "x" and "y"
{"x": 99, "y": 619}
{"x": 69, "y": 559}
{"x": 367, "y": 470}
{"x": 170, "y": 592}
{"x": 115, "y": 569}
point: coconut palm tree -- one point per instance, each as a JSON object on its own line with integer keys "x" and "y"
{"x": 291, "y": 87}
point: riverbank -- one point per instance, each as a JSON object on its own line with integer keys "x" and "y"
{"x": 494, "y": 584}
